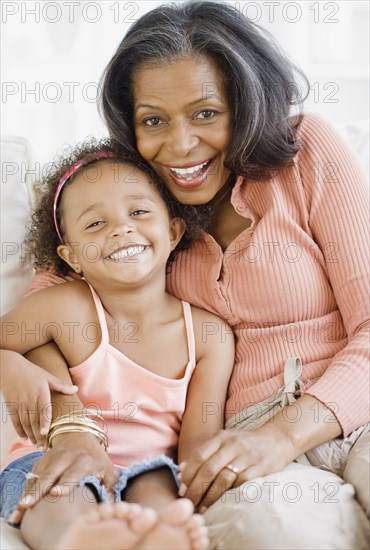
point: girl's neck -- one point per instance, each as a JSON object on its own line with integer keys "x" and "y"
{"x": 139, "y": 305}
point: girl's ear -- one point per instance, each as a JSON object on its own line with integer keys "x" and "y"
{"x": 177, "y": 229}
{"x": 65, "y": 252}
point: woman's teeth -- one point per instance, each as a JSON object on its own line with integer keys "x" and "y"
{"x": 125, "y": 252}
{"x": 189, "y": 173}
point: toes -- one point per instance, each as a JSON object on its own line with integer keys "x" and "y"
{"x": 178, "y": 512}
{"x": 122, "y": 510}
{"x": 197, "y": 533}
{"x": 201, "y": 543}
{"x": 196, "y": 521}
{"x": 144, "y": 522}
{"x": 134, "y": 510}
{"x": 106, "y": 511}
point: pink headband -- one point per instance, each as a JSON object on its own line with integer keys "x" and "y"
{"x": 72, "y": 170}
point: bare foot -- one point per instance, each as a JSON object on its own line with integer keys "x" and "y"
{"x": 177, "y": 528}
{"x": 115, "y": 527}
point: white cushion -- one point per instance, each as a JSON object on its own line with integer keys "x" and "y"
{"x": 16, "y": 200}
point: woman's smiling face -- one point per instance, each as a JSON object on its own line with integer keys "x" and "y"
{"x": 183, "y": 125}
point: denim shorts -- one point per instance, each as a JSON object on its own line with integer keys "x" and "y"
{"x": 13, "y": 480}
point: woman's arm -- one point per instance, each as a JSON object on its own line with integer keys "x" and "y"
{"x": 337, "y": 196}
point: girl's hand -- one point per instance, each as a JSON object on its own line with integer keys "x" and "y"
{"x": 27, "y": 394}
{"x": 205, "y": 476}
{"x": 73, "y": 457}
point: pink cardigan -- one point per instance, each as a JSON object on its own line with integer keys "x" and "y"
{"x": 296, "y": 283}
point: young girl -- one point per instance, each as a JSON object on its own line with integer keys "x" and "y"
{"x": 136, "y": 353}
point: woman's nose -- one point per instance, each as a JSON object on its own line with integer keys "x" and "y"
{"x": 182, "y": 139}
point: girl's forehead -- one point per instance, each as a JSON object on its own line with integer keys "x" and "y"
{"x": 115, "y": 175}
{"x": 113, "y": 171}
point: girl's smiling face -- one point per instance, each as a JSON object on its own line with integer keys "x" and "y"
{"x": 116, "y": 226}
{"x": 183, "y": 126}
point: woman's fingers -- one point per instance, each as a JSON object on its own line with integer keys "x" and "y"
{"x": 40, "y": 481}
{"x": 190, "y": 470}
{"x": 222, "y": 483}
{"x": 230, "y": 476}
{"x": 207, "y": 475}
{"x": 212, "y": 478}
{"x": 206, "y": 472}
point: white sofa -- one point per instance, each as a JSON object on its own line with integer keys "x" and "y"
{"x": 16, "y": 204}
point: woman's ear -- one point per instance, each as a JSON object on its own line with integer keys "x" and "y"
{"x": 177, "y": 229}
{"x": 65, "y": 252}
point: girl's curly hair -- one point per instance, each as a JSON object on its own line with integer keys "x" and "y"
{"x": 41, "y": 238}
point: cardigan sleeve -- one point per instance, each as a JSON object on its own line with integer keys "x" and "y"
{"x": 338, "y": 198}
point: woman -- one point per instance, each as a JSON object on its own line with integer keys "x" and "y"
{"x": 205, "y": 98}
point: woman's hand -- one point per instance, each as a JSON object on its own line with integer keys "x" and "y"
{"x": 73, "y": 457}
{"x": 254, "y": 453}
{"x": 301, "y": 426}
{"x": 27, "y": 394}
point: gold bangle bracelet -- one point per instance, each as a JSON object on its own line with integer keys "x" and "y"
{"x": 78, "y": 422}
{"x": 82, "y": 414}
{"x": 100, "y": 435}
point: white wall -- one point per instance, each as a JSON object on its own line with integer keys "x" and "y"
{"x": 53, "y": 54}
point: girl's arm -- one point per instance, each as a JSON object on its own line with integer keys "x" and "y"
{"x": 36, "y": 321}
{"x": 27, "y": 391}
{"x": 205, "y": 405}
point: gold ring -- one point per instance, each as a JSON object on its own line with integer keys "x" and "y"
{"x": 31, "y": 475}
{"x": 234, "y": 469}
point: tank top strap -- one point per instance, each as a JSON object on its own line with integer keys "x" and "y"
{"x": 189, "y": 331}
{"x": 101, "y": 315}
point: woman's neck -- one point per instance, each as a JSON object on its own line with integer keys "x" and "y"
{"x": 223, "y": 196}
{"x": 227, "y": 224}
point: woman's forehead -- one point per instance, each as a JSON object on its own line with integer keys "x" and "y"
{"x": 199, "y": 77}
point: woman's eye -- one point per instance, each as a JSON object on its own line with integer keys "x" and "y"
{"x": 207, "y": 113}
{"x": 152, "y": 121}
{"x": 94, "y": 224}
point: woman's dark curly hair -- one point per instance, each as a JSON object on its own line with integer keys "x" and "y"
{"x": 42, "y": 240}
{"x": 261, "y": 83}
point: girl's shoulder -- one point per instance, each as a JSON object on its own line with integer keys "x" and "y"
{"x": 202, "y": 315}
{"x": 71, "y": 295}
{"x": 47, "y": 278}
{"x": 210, "y": 330}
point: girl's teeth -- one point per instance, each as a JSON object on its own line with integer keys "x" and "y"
{"x": 125, "y": 252}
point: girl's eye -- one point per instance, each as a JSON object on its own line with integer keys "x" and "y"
{"x": 207, "y": 113}
{"x": 152, "y": 121}
{"x": 139, "y": 212}
{"x": 94, "y": 224}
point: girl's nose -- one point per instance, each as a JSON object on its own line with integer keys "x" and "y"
{"x": 122, "y": 227}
